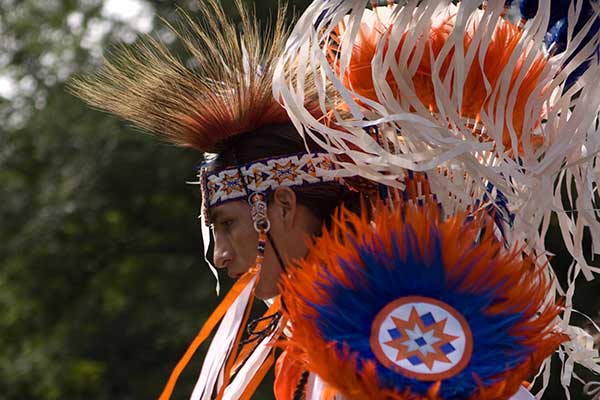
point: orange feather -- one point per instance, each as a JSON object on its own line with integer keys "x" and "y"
{"x": 476, "y": 98}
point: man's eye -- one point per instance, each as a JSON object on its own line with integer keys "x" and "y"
{"x": 227, "y": 224}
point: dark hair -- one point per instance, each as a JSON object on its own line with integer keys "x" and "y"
{"x": 281, "y": 140}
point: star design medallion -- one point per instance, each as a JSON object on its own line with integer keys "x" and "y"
{"x": 421, "y": 340}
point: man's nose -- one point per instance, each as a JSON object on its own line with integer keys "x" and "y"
{"x": 221, "y": 255}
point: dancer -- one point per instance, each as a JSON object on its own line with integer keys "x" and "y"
{"x": 265, "y": 190}
{"x": 264, "y": 187}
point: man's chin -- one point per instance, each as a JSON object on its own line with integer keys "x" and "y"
{"x": 265, "y": 294}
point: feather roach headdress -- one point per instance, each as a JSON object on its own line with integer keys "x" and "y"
{"x": 406, "y": 305}
{"x": 224, "y": 89}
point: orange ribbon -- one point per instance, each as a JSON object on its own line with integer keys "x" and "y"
{"x": 206, "y": 330}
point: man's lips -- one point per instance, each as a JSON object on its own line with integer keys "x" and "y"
{"x": 233, "y": 274}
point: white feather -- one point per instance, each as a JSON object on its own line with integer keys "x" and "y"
{"x": 221, "y": 346}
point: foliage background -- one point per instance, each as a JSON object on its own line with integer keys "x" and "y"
{"x": 102, "y": 284}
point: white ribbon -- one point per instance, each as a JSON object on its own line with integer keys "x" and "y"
{"x": 592, "y": 389}
{"x": 522, "y": 394}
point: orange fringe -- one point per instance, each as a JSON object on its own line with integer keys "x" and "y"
{"x": 206, "y": 330}
{"x": 258, "y": 378}
{"x": 358, "y": 76}
{"x": 249, "y": 347}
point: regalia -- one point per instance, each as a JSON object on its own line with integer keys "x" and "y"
{"x": 466, "y": 126}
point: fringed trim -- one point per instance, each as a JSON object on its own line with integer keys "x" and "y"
{"x": 468, "y": 97}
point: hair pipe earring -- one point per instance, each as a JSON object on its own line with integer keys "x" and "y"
{"x": 258, "y": 211}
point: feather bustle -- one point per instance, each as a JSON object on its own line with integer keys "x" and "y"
{"x": 478, "y": 263}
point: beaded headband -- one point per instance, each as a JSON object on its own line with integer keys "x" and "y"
{"x": 264, "y": 176}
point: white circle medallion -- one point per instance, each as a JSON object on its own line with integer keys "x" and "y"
{"x": 421, "y": 338}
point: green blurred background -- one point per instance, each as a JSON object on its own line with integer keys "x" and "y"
{"x": 102, "y": 283}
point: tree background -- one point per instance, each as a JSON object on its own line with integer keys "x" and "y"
{"x": 102, "y": 283}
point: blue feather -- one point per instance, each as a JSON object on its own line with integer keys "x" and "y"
{"x": 556, "y": 36}
{"x": 558, "y": 9}
{"x": 528, "y": 8}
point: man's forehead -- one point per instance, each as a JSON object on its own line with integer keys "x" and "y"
{"x": 229, "y": 208}
{"x": 215, "y": 213}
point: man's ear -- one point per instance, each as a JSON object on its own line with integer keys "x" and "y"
{"x": 284, "y": 200}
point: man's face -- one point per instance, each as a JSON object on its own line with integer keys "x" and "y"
{"x": 236, "y": 239}
{"x": 235, "y": 246}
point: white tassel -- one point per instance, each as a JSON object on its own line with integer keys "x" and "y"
{"x": 315, "y": 389}
{"x": 221, "y": 346}
{"x": 205, "y": 229}
{"x": 522, "y": 394}
{"x": 236, "y": 388}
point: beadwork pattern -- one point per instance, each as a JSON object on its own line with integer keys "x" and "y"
{"x": 266, "y": 175}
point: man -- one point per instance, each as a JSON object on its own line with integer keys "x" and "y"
{"x": 265, "y": 190}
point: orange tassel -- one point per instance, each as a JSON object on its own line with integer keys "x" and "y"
{"x": 249, "y": 347}
{"x": 257, "y": 379}
{"x": 205, "y": 332}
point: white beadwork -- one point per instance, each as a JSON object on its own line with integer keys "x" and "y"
{"x": 264, "y": 176}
